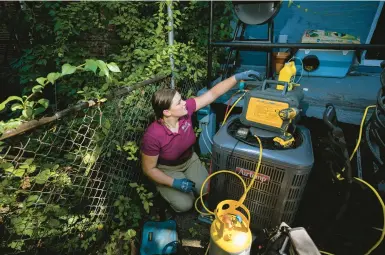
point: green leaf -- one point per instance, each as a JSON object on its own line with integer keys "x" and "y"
{"x": 52, "y": 77}
{"x": 57, "y": 210}
{"x": 91, "y": 65}
{"x": 29, "y": 103}
{"x": 133, "y": 185}
{"x": 89, "y": 158}
{"x": 44, "y": 102}
{"x": 43, "y": 176}
{"x": 32, "y": 199}
{"x": 103, "y": 68}
{"x": 19, "y": 172}
{"x": 31, "y": 169}
{"x": 113, "y": 67}
{"x": 23, "y": 166}
{"x": 103, "y": 100}
{"x": 37, "y": 88}
{"x": 38, "y": 110}
{"x": 102, "y": 73}
{"x": 16, "y": 106}
{"x": 104, "y": 87}
{"x": 27, "y": 113}
{"x": 72, "y": 220}
{"x": 11, "y": 98}
{"x": 106, "y": 124}
{"x": 54, "y": 223}
{"x": 27, "y": 231}
{"x": 58, "y": 26}
{"x": 8, "y": 167}
{"x": 146, "y": 206}
{"x": 17, "y": 245}
{"x": 67, "y": 69}
{"x": 41, "y": 80}
{"x": 42, "y": 62}
{"x": 11, "y": 124}
{"x": 131, "y": 233}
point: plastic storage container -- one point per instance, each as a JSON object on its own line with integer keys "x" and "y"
{"x": 324, "y": 63}
{"x": 278, "y": 188}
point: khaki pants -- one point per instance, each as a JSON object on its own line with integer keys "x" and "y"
{"x": 192, "y": 169}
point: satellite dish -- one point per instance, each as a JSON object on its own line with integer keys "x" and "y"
{"x": 256, "y": 12}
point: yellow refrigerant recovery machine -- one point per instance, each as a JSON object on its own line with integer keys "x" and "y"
{"x": 275, "y": 107}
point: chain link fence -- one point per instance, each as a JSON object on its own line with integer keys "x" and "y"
{"x": 59, "y": 181}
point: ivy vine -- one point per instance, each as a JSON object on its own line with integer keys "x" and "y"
{"x": 31, "y": 107}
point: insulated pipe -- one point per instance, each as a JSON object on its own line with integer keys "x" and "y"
{"x": 250, "y": 45}
{"x": 171, "y": 41}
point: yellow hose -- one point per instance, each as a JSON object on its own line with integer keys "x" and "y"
{"x": 235, "y": 103}
{"x": 207, "y": 250}
{"x": 204, "y": 183}
{"x": 383, "y": 214}
{"x": 246, "y": 189}
{"x": 359, "y": 139}
{"x": 325, "y": 252}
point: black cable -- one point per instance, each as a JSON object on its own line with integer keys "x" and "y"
{"x": 375, "y": 129}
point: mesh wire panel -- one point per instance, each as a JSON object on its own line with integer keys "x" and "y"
{"x": 59, "y": 181}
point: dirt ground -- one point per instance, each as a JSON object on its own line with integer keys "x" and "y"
{"x": 193, "y": 234}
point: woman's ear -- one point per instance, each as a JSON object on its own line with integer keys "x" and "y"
{"x": 166, "y": 113}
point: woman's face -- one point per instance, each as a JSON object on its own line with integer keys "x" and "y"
{"x": 178, "y": 107}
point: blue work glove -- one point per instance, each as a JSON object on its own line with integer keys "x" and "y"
{"x": 247, "y": 76}
{"x": 184, "y": 185}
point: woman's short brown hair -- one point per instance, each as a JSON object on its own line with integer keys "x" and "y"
{"x": 162, "y": 100}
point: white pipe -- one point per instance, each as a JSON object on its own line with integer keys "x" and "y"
{"x": 207, "y": 133}
{"x": 171, "y": 41}
{"x": 204, "y": 141}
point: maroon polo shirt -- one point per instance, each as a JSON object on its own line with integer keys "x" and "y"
{"x": 172, "y": 148}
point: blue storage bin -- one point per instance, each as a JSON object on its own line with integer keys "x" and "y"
{"x": 332, "y": 63}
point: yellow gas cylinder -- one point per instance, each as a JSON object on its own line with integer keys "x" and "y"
{"x": 230, "y": 233}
